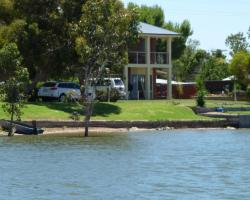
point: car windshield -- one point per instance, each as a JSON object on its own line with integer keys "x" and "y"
{"x": 118, "y": 82}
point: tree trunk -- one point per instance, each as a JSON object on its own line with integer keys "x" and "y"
{"x": 88, "y": 113}
{"x": 38, "y": 77}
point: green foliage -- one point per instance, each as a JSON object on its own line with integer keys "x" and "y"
{"x": 151, "y": 15}
{"x": 240, "y": 67}
{"x": 237, "y": 42}
{"x": 194, "y": 61}
{"x": 6, "y": 9}
{"x": 201, "y": 91}
{"x": 189, "y": 64}
{"x": 102, "y": 95}
{"x": 75, "y": 116}
{"x": 215, "y": 68}
{"x": 10, "y": 60}
{"x": 103, "y": 40}
{"x": 13, "y": 89}
{"x": 179, "y": 44}
{"x": 44, "y": 33}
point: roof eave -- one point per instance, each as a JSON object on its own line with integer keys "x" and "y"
{"x": 160, "y": 35}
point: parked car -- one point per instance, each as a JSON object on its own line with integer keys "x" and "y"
{"x": 59, "y": 91}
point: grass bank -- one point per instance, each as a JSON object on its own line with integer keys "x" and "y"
{"x": 122, "y": 110}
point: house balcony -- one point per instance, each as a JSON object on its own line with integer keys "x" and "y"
{"x": 158, "y": 58}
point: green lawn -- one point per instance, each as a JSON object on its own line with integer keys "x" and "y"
{"x": 121, "y": 110}
{"x": 215, "y": 103}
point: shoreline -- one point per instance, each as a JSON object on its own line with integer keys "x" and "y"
{"x": 103, "y": 131}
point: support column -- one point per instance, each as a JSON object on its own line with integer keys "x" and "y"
{"x": 169, "y": 49}
{"x": 148, "y": 83}
{"x": 148, "y": 68}
{"x": 169, "y": 95}
{"x": 126, "y": 80}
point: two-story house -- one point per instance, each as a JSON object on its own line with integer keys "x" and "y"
{"x": 148, "y": 58}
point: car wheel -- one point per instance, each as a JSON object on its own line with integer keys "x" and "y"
{"x": 62, "y": 98}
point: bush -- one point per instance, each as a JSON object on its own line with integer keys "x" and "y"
{"x": 201, "y": 98}
{"x": 102, "y": 95}
{"x": 75, "y": 116}
{"x": 201, "y": 91}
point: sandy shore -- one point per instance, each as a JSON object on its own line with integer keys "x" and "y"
{"x": 80, "y": 131}
{"x": 102, "y": 130}
{"x": 50, "y": 131}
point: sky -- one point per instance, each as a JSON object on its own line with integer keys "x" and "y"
{"x": 211, "y": 20}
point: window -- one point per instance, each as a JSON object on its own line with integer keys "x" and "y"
{"x": 118, "y": 82}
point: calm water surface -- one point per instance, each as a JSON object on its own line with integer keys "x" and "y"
{"x": 183, "y": 164}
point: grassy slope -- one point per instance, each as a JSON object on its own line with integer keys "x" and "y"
{"x": 122, "y": 110}
{"x": 144, "y": 110}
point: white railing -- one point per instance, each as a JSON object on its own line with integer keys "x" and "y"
{"x": 137, "y": 57}
{"x": 159, "y": 58}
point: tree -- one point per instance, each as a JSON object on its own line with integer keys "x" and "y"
{"x": 152, "y": 15}
{"x": 12, "y": 90}
{"x": 104, "y": 32}
{"x": 43, "y": 32}
{"x": 201, "y": 91}
{"x": 6, "y": 9}
{"x": 237, "y": 42}
{"x": 215, "y": 67}
{"x": 10, "y": 59}
{"x": 240, "y": 67}
{"x": 189, "y": 64}
{"x": 179, "y": 44}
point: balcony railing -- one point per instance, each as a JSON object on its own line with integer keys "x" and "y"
{"x": 159, "y": 58}
{"x": 136, "y": 57}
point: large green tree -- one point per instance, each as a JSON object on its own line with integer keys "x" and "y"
{"x": 104, "y": 32}
{"x": 189, "y": 64}
{"x": 43, "y": 32}
{"x": 237, "y": 42}
{"x": 179, "y": 44}
{"x": 240, "y": 67}
{"x": 12, "y": 90}
{"x": 215, "y": 68}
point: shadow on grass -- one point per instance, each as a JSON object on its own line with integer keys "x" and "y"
{"x": 64, "y": 107}
{"x": 100, "y": 109}
{"x": 104, "y": 109}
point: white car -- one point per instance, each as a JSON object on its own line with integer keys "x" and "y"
{"x": 59, "y": 91}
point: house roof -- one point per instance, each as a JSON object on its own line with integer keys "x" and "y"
{"x": 148, "y": 29}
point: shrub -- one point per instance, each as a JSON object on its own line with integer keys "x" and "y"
{"x": 102, "y": 95}
{"x": 75, "y": 116}
{"x": 201, "y": 91}
{"x": 201, "y": 98}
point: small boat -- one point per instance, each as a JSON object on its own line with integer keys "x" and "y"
{"x": 22, "y": 128}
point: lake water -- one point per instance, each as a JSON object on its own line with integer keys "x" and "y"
{"x": 178, "y": 164}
